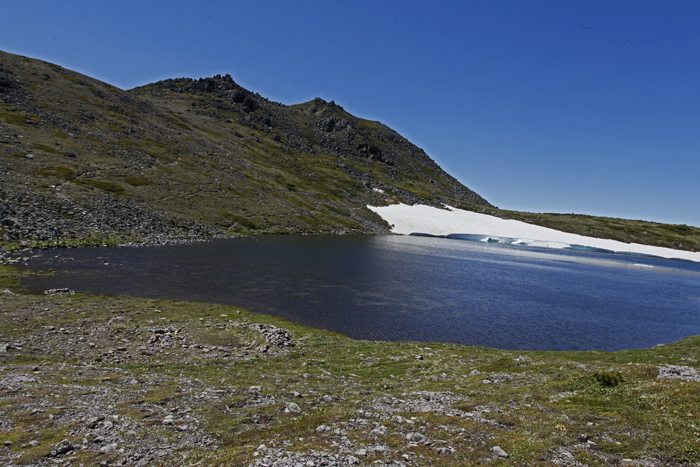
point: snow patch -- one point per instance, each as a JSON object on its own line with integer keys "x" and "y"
{"x": 466, "y": 225}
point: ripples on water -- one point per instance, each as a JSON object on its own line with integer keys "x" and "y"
{"x": 410, "y": 288}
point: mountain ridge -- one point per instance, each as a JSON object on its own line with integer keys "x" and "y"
{"x": 186, "y": 157}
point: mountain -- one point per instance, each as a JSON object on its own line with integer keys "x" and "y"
{"x": 185, "y": 157}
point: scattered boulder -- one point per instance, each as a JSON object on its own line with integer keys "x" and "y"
{"x": 415, "y": 437}
{"x": 292, "y": 407}
{"x": 679, "y": 372}
{"x": 64, "y": 447}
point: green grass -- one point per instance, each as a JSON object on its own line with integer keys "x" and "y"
{"x": 242, "y": 221}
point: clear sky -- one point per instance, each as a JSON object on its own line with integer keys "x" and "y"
{"x": 587, "y": 106}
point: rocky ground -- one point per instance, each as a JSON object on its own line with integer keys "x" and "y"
{"x": 93, "y": 380}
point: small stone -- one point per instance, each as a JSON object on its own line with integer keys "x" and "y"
{"x": 8, "y": 443}
{"x": 93, "y": 422}
{"x": 379, "y": 431}
{"x": 499, "y": 452}
{"x": 361, "y": 452}
{"x": 415, "y": 437}
{"x": 109, "y": 447}
{"x": 34, "y": 443}
{"x": 327, "y": 398}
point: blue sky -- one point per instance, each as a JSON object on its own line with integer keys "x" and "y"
{"x": 590, "y": 107}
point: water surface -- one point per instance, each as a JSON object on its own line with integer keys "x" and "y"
{"x": 410, "y": 288}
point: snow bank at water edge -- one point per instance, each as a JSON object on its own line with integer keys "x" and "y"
{"x": 468, "y": 225}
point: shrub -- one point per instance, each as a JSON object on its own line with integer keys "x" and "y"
{"x": 608, "y": 379}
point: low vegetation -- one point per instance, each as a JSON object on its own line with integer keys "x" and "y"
{"x": 129, "y": 381}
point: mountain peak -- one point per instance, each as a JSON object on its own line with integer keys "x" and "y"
{"x": 195, "y": 157}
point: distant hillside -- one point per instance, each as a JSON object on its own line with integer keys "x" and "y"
{"x": 190, "y": 157}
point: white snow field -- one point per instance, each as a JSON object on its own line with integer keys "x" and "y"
{"x": 452, "y": 221}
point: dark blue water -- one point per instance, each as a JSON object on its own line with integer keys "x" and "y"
{"x": 410, "y": 288}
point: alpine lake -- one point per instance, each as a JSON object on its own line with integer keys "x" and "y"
{"x": 408, "y": 288}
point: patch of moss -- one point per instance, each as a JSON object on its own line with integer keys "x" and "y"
{"x": 101, "y": 184}
{"x": 57, "y": 171}
{"x": 137, "y": 181}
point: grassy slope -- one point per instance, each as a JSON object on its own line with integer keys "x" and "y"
{"x": 200, "y": 156}
{"x": 531, "y": 404}
{"x": 682, "y": 237}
